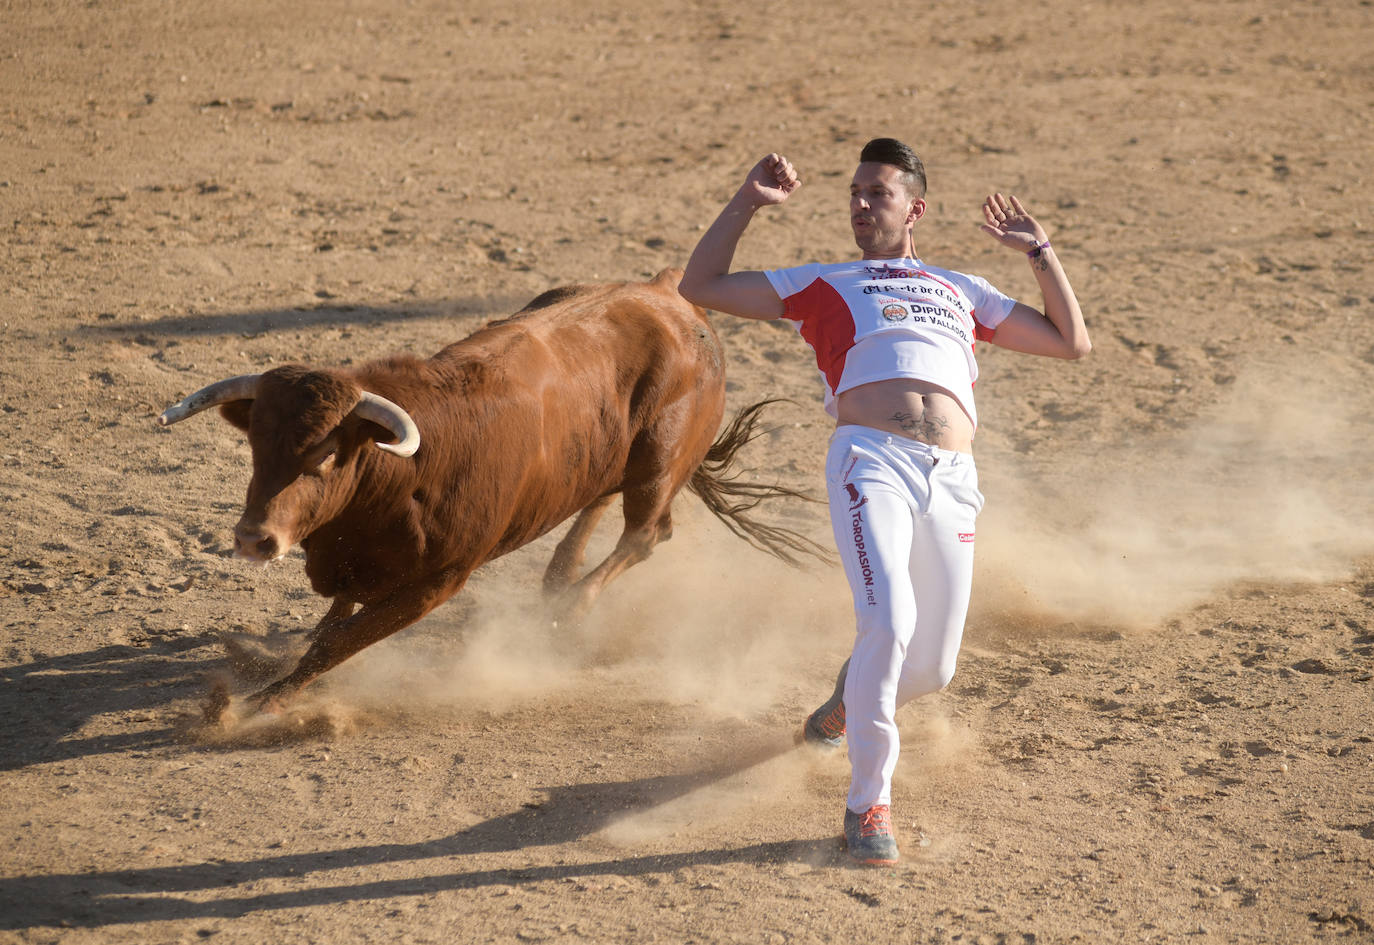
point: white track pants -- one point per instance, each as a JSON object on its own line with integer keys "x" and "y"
{"x": 903, "y": 515}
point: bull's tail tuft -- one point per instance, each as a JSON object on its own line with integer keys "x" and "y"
{"x": 730, "y": 500}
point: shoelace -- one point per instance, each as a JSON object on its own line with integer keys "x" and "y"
{"x": 876, "y": 821}
{"x": 833, "y": 724}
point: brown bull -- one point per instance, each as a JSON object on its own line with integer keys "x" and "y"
{"x": 400, "y": 477}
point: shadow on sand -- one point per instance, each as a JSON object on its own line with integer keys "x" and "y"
{"x": 468, "y": 313}
{"x": 44, "y": 701}
{"x": 96, "y": 900}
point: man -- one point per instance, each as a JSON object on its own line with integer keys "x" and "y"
{"x": 893, "y": 338}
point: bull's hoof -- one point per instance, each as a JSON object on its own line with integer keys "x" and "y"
{"x": 556, "y": 583}
{"x": 569, "y": 608}
{"x": 214, "y": 705}
{"x": 271, "y": 701}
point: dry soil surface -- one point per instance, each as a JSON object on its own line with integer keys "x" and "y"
{"x": 1160, "y": 730}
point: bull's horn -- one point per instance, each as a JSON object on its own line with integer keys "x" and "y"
{"x": 383, "y": 412}
{"x": 243, "y": 387}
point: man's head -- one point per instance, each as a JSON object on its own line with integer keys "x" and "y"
{"x": 886, "y": 198}
{"x": 893, "y": 152}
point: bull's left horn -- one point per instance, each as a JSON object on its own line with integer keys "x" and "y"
{"x": 243, "y": 387}
{"x": 384, "y": 413}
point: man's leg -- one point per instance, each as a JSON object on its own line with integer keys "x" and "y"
{"x": 885, "y": 616}
{"x": 871, "y": 511}
{"x": 941, "y": 578}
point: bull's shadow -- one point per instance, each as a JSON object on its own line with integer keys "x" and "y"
{"x": 97, "y": 900}
{"x": 466, "y": 314}
{"x": 44, "y": 701}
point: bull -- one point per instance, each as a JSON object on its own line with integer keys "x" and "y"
{"x": 398, "y": 478}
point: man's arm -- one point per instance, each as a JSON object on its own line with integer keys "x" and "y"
{"x": 708, "y": 280}
{"x": 1060, "y": 331}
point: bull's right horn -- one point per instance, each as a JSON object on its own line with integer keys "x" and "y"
{"x": 392, "y": 416}
{"x": 243, "y": 387}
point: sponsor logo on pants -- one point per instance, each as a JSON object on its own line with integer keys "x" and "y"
{"x": 855, "y": 501}
{"x": 856, "y": 504}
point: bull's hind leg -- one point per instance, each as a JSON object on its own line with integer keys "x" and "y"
{"x": 653, "y": 479}
{"x": 663, "y": 457}
{"x": 571, "y": 551}
{"x": 642, "y": 532}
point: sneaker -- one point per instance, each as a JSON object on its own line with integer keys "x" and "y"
{"x": 869, "y": 836}
{"x": 825, "y": 727}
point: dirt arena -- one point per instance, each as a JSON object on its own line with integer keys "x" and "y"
{"x": 1161, "y": 727}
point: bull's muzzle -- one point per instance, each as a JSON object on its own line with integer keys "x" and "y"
{"x": 256, "y": 543}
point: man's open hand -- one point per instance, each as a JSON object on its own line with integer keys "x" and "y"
{"x": 1010, "y": 224}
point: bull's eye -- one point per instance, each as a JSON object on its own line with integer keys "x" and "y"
{"x": 321, "y": 459}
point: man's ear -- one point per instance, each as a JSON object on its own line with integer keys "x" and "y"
{"x": 236, "y": 412}
{"x": 918, "y": 210}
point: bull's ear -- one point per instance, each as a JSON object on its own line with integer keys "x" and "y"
{"x": 236, "y": 412}
{"x": 322, "y": 458}
{"x": 372, "y": 431}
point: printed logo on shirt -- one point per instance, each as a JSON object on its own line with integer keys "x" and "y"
{"x": 924, "y": 293}
{"x": 939, "y": 317}
{"x": 892, "y": 272}
{"x": 966, "y": 536}
{"x": 894, "y": 311}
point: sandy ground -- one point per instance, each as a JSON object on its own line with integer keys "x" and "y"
{"x": 1160, "y": 730}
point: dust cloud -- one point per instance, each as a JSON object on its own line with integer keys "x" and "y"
{"x": 707, "y": 621}
{"x": 1272, "y": 485}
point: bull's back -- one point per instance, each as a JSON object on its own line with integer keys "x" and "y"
{"x": 543, "y": 410}
{"x": 632, "y": 327}
{"x": 630, "y": 346}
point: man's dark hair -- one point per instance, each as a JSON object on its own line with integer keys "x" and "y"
{"x": 891, "y": 151}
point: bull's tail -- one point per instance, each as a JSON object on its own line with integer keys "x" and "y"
{"x": 731, "y": 500}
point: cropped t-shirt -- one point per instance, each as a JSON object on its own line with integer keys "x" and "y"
{"x": 877, "y": 319}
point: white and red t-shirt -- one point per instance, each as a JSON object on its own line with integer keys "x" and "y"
{"x": 876, "y": 319}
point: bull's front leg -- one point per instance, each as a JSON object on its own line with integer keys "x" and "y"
{"x": 255, "y": 663}
{"x": 255, "y": 659}
{"x": 343, "y": 638}
{"x": 339, "y": 611}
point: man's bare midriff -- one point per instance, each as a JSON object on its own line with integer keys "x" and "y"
{"x": 909, "y": 408}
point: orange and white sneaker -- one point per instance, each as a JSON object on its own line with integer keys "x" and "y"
{"x": 824, "y": 728}
{"x": 869, "y": 836}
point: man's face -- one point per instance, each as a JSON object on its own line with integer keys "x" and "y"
{"x": 881, "y": 211}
